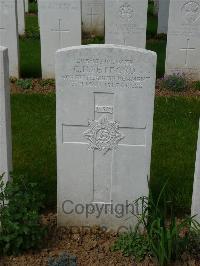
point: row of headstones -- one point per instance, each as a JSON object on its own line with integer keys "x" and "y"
{"x": 60, "y": 26}
{"x": 104, "y": 121}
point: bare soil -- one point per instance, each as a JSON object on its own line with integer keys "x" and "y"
{"x": 45, "y": 86}
{"x": 91, "y": 247}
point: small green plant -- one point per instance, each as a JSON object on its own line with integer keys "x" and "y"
{"x": 197, "y": 85}
{"x": 64, "y": 259}
{"x": 47, "y": 82}
{"x": 21, "y": 228}
{"x": 25, "y": 84}
{"x": 162, "y": 232}
{"x": 175, "y": 82}
{"x": 133, "y": 244}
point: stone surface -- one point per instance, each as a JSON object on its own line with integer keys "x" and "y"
{"x": 105, "y": 104}
{"x": 60, "y": 26}
{"x": 196, "y": 186}
{"x": 21, "y": 16}
{"x": 26, "y": 5}
{"x": 9, "y": 33}
{"x": 183, "y": 41}
{"x": 5, "y": 118}
{"x": 93, "y": 17}
{"x": 163, "y": 15}
{"x": 156, "y": 6}
{"x": 125, "y": 22}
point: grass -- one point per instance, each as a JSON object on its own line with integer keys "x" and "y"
{"x": 173, "y": 155}
{"x": 33, "y": 125}
{"x": 174, "y": 147}
{"x": 30, "y": 45}
{"x": 34, "y": 148}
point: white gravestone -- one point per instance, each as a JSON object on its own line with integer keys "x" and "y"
{"x": 93, "y": 17}
{"x": 125, "y": 22}
{"x": 60, "y": 26}
{"x": 21, "y": 16}
{"x": 183, "y": 41}
{"x": 105, "y": 105}
{"x": 9, "y": 33}
{"x": 5, "y": 118}
{"x": 163, "y": 15}
{"x": 196, "y": 186}
{"x": 26, "y": 6}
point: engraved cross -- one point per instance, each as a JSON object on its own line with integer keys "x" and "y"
{"x": 187, "y": 50}
{"x": 101, "y": 138}
{"x": 60, "y": 31}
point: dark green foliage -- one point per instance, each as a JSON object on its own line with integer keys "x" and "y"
{"x": 64, "y": 259}
{"x": 47, "y": 82}
{"x": 162, "y": 229}
{"x": 197, "y": 85}
{"x": 25, "y": 84}
{"x": 33, "y": 8}
{"x": 175, "y": 82}
{"x": 32, "y": 28}
{"x": 34, "y": 146}
{"x": 175, "y": 131}
{"x": 30, "y": 55}
{"x": 133, "y": 244}
{"x": 21, "y": 229}
{"x": 158, "y": 46}
{"x": 151, "y": 8}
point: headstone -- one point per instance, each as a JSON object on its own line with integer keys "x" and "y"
{"x": 105, "y": 104}
{"x": 125, "y": 22}
{"x": 21, "y": 16}
{"x": 196, "y": 185}
{"x": 183, "y": 40}
{"x": 60, "y": 26}
{"x": 5, "y": 118}
{"x": 156, "y": 6}
{"x": 93, "y": 17}
{"x": 163, "y": 15}
{"x": 26, "y": 6}
{"x": 9, "y": 33}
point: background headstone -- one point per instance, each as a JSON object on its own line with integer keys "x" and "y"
{"x": 105, "y": 105}
{"x": 196, "y": 185}
{"x": 156, "y": 6}
{"x": 5, "y": 118}
{"x": 9, "y": 33}
{"x": 163, "y": 15}
{"x": 60, "y": 26}
{"x": 93, "y": 17}
{"x": 183, "y": 39}
{"x": 126, "y": 22}
{"x": 26, "y": 6}
{"x": 21, "y": 16}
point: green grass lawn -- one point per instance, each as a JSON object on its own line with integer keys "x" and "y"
{"x": 174, "y": 144}
{"x": 30, "y": 45}
{"x": 33, "y": 125}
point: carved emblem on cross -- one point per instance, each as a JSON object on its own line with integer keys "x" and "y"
{"x": 103, "y": 134}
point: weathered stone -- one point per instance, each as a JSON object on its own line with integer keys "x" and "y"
{"x": 60, "y": 26}
{"x": 125, "y": 22}
{"x": 5, "y": 119}
{"x": 105, "y": 104}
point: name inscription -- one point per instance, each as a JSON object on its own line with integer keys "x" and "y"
{"x": 111, "y": 73}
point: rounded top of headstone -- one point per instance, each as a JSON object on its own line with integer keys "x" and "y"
{"x": 108, "y": 46}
